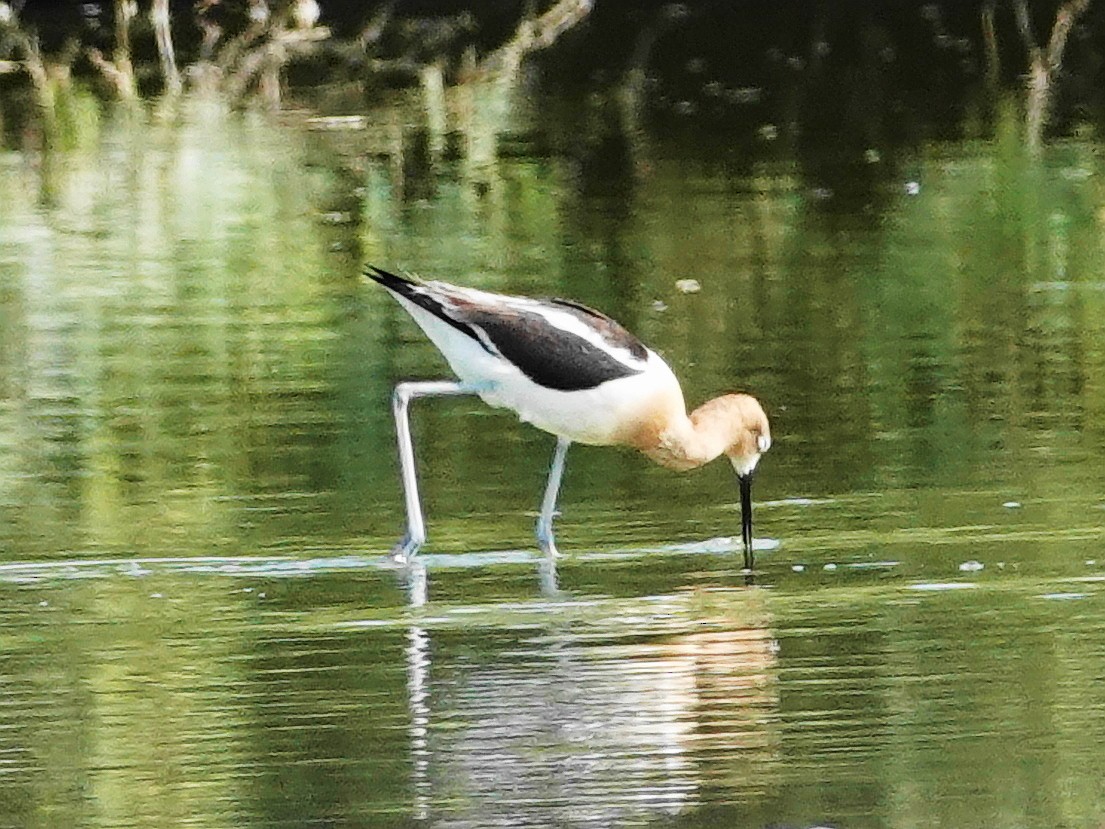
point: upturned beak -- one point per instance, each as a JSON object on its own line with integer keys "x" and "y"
{"x": 745, "y": 482}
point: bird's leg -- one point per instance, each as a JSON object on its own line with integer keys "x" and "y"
{"x": 404, "y": 393}
{"x": 544, "y": 532}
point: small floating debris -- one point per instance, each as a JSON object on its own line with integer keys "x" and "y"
{"x": 971, "y": 566}
{"x": 744, "y": 95}
{"x": 1053, "y": 285}
{"x": 722, "y": 544}
{"x": 796, "y": 502}
{"x": 912, "y": 188}
{"x": 688, "y": 286}
{"x": 830, "y": 567}
{"x": 1064, "y": 597}
{"x": 44, "y": 603}
{"x": 157, "y": 595}
{"x": 338, "y": 122}
{"x": 798, "y": 568}
{"x": 1076, "y": 173}
{"x": 944, "y": 585}
{"x": 659, "y": 305}
{"x": 1012, "y": 505}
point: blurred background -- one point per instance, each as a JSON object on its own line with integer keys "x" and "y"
{"x": 886, "y": 221}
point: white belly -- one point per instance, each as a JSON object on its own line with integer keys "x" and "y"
{"x": 600, "y": 416}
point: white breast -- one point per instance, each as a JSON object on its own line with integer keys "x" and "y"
{"x": 598, "y": 416}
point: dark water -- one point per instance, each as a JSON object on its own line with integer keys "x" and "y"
{"x": 199, "y": 623}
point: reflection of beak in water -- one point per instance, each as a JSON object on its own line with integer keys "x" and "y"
{"x": 624, "y": 721}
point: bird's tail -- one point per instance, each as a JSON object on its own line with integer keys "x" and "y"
{"x": 401, "y": 285}
{"x": 433, "y": 297}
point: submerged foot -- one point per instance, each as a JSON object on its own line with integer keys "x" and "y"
{"x": 546, "y": 539}
{"x": 404, "y": 549}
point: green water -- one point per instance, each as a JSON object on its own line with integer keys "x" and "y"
{"x": 198, "y": 622}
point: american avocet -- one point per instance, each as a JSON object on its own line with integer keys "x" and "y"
{"x": 576, "y": 373}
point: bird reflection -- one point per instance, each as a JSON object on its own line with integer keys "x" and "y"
{"x": 418, "y": 668}
{"x": 414, "y": 575}
{"x": 627, "y": 714}
{"x": 415, "y": 581}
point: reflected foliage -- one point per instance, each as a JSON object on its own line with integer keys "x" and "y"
{"x": 191, "y": 370}
{"x": 152, "y": 698}
{"x": 834, "y": 79}
{"x": 221, "y": 383}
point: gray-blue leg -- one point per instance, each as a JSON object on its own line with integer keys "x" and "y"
{"x": 545, "y": 539}
{"x": 404, "y": 393}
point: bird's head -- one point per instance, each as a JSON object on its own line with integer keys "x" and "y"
{"x": 748, "y": 433}
{"x": 751, "y": 438}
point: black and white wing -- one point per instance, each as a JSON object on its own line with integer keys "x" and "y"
{"x": 556, "y": 343}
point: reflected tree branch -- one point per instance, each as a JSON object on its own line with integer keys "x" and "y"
{"x": 1024, "y": 26}
{"x": 1044, "y": 65}
{"x": 535, "y": 34}
{"x": 1065, "y": 19}
{"x": 159, "y": 18}
{"x": 990, "y": 43}
{"x": 119, "y": 71}
{"x": 45, "y": 75}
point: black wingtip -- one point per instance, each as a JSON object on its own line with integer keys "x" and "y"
{"x": 387, "y": 279}
{"x": 420, "y": 294}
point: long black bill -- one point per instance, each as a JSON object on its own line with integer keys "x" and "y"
{"x": 746, "y": 518}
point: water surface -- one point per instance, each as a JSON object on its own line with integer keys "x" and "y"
{"x": 198, "y": 488}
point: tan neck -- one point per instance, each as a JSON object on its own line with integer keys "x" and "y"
{"x": 731, "y": 424}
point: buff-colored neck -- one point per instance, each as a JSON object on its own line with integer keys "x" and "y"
{"x": 733, "y": 424}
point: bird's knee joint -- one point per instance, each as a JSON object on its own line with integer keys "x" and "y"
{"x": 401, "y": 397}
{"x": 544, "y": 527}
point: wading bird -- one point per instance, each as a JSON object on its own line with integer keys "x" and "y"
{"x": 574, "y": 372}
